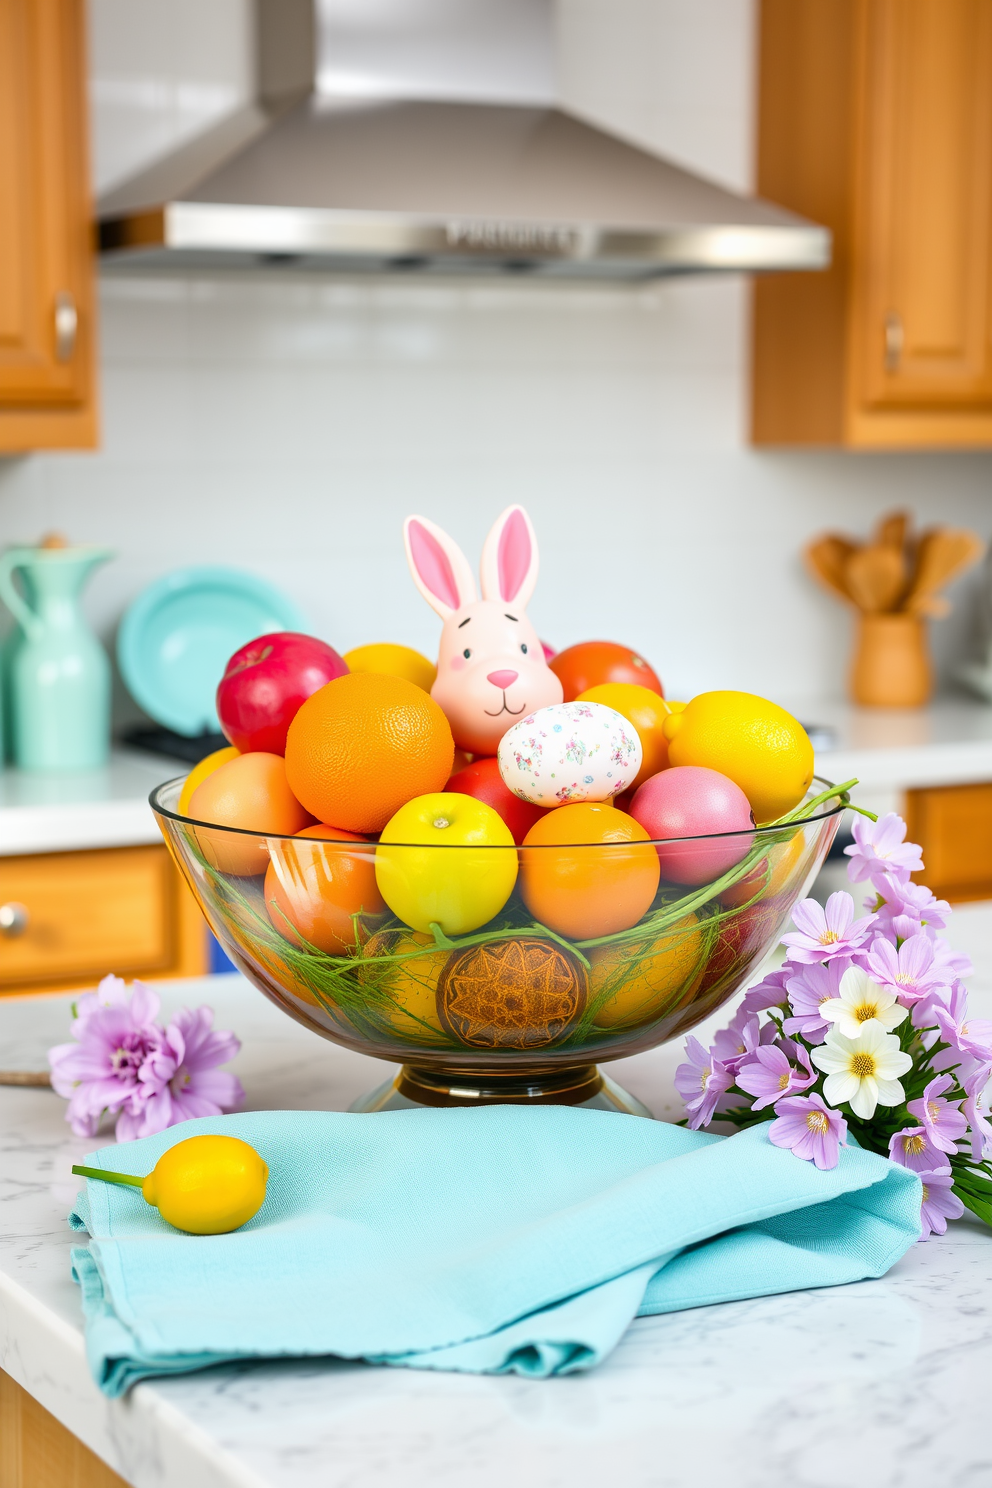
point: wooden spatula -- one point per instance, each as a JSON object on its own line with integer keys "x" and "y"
{"x": 942, "y": 554}
{"x": 827, "y": 559}
{"x": 876, "y": 578}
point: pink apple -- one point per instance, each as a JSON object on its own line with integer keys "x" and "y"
{"x": 689, "y": 801}
{"x": 265, "y": 683}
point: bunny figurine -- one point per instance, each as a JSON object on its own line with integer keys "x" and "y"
{"x": 491, "y": 669}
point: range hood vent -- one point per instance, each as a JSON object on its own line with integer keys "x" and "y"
{"x": 423, "y": 135}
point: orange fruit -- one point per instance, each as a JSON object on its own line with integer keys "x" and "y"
{"x": 249, "y": 793}
{"x": 315, "y": 888}
{"x": 647, "y": 711}
{"x": 588, "y": 874}
{"x": 591, "y": 663}
{"x": 199, "y": 773}
{"x": 632, "y": 982}
{"x": 364, "y": 745}
{"x": 393, "y": 661}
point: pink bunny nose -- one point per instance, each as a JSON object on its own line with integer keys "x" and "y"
{"x": 502, "y": 679}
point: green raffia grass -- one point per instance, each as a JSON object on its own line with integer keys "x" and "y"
{"x": 355, "y": 990}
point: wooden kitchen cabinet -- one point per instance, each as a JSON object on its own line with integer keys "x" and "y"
{"x": 875, "y": 118}
{"x": 47, "y": 378}
{"x": 78, "y": 915}
{"x": 36, "y": 1451}
{"x": 953, "y": 825}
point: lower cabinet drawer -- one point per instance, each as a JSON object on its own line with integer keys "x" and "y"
{"x": 69, "y": 918}
{"x": 953, "y": 825}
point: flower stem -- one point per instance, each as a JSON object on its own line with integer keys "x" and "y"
{"x": 106, "y": 1176}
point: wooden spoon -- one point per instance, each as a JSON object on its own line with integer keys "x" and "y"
{"x": 876, "y": 578}
{"x": 942, "y": 554}
{"x": 827, "y": 559}
{"x": 892, "y": 531}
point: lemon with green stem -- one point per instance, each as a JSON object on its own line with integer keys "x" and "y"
{"x": 204, "y": 1185}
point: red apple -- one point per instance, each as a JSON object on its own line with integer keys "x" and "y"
{"x": 266, "y": 682}
{"x": 482, "y": 780}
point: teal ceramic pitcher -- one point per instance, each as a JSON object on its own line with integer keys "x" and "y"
{"x": 57, "y": 673}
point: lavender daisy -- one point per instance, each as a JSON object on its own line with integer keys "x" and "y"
{"x": 701, "y": 1083}
{"x": 909, "y": 972}
{"x": 911, "y": 1148}
{"x": 824, "y": 934}
{"x": 943, "y": 1120}
{"x": 809, "y": 988}
{"x": 810, "y": 1129}
{"x": 769, "y": 1075}
{"x": 939, "y": 1202}
{"x": 879, "y": 848}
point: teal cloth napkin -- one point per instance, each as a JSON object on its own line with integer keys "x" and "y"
{"x": 491, "y": 1240}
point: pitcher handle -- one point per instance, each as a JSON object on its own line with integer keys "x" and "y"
{"x": 16, "y": 604}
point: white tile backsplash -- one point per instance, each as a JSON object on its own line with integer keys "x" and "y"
{"x": 287, "y": 424}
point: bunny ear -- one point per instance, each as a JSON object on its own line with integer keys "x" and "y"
{"x": 439, "y": 567}
{"x": 509, "y": 559}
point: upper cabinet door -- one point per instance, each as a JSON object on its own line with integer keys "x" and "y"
{"x": 46, "y": 300}
{"x": 925, "y": 204}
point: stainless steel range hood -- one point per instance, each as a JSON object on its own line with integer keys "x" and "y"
{"x": 423, "y": 139}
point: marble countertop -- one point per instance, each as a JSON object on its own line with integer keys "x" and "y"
{"x": 884, "y": 1382}
{"x": 45, "y": 812}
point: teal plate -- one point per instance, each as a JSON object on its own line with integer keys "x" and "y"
{"x": 176, "y": 637}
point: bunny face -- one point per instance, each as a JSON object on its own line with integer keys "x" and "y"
{"x": 491, "y": 669}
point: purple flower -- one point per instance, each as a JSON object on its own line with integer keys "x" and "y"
{"x": 951, "y": 962}
{"x": 976, "y": 1111}
{"x": 808, "y": 989}
{"x": 701, "y": 1083}
{"x": 768, "y": 993}
{"x": 909, "y": 972}
{"x": 732, "y": 1045}
{"x": 943, "y": 1120}
{"x": 770, "y": 1076}
{"x": 122, "y": 1064}
{"x": 879, "y": 849}
{"x": 912, "y": 1149}
{"x": 949, "y": 1014}
{"x": 908, "y": 907}
{"x": 188, "y": 1083}
{"x": 939, "y": 1203}
{"x": 826, "y": 934}
{"x": 811, "y": 1129}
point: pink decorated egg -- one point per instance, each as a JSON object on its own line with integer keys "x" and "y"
{"x": 689, "y": 801}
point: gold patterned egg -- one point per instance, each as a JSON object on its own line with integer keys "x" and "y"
{"x": 523, "y": 993}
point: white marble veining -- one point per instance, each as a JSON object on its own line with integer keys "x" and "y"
{"x": 55, "y": 812}
{"x": 885, "y": 1381}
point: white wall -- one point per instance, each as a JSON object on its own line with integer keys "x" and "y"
{"x": 287, "y": 424}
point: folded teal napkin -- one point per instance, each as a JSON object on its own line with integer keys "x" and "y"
{"x": 489, "y": 1240}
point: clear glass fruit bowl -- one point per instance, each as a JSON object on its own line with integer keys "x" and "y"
{"x": 525, "y": 1007}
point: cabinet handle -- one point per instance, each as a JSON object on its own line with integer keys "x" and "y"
{"x": 894, "y": 338}
{"x": 66, "y": 326}
{"x": 13, "y": 919}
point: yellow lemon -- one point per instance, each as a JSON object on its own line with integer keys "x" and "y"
{"x": 640, "y": 979}
{"x": 394, "y": 661}
{"x": 408, "y": 985}
{"x": 207, "y": 1185}
{"x": 753, "y": 742}
{"x": 199, "y": 773}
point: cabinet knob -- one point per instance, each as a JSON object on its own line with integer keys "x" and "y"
{"x": 894, "y": 338}
{"x": 13, "y": 919}
{"x": 66, "y": 326}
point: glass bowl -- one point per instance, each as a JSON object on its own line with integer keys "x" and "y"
{"x": 591, "y": 958}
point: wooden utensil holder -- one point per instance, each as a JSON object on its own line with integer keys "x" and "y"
{"x": 891, "y": 666}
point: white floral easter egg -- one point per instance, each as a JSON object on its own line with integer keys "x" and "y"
{"x": 569, "y": 752}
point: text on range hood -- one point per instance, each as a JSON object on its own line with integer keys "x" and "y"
{"x": 393, "y": 164}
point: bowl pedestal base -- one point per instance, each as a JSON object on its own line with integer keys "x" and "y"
{"x": 583, "y": 1085}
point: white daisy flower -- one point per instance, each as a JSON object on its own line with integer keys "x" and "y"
{"x": 861, "y": 1000}
{"x": 862, "y": 1071}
